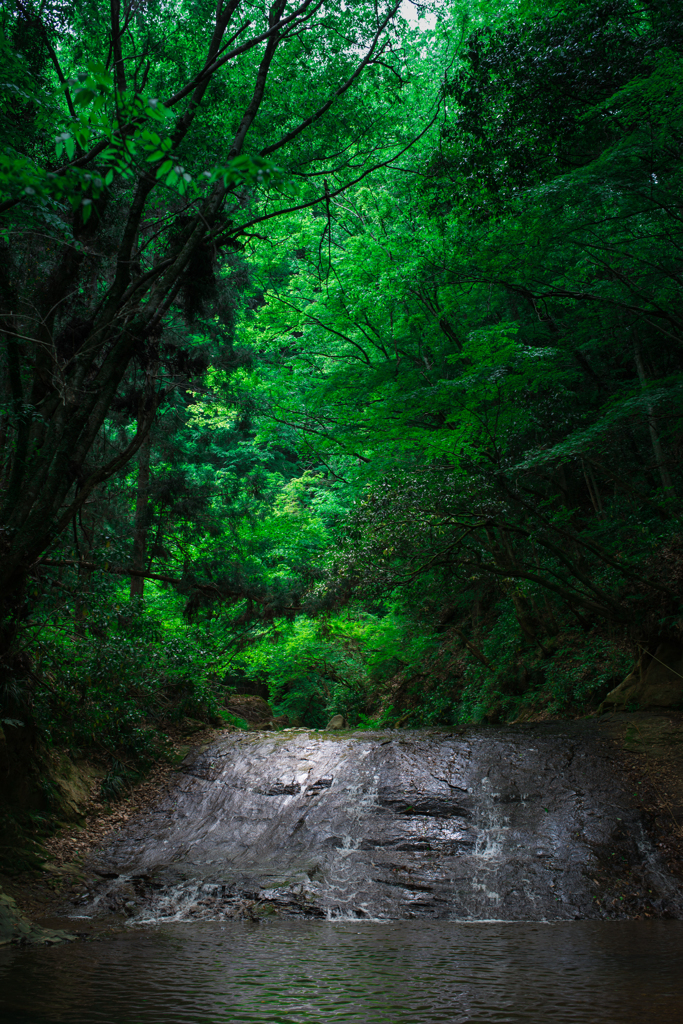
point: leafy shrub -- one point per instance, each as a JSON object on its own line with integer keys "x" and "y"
{"x": 117, "y": 689}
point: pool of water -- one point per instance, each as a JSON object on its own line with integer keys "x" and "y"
{"x": 291, "y": 972}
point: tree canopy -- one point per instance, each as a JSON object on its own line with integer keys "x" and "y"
{"x": 342, "y": 356}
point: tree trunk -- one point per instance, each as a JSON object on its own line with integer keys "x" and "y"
{"x": 660, "y": 460}
{"x": 137, "y": 583}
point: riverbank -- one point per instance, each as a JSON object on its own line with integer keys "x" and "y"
{"x": 42, "y": 893}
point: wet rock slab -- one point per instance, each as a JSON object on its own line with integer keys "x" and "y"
{"x": 526, "y": 823}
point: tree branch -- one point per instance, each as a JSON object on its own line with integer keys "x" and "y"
{"x": 338, "y": 92}
{"x": 338, "y": 191}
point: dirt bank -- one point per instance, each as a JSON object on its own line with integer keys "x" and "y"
{"x": 41, "y": 895}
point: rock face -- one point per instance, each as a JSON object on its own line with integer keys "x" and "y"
{"x": 256, "y": 711}
{"x": 521, "y": 823}
{"x": 25, "y": 764}
{"x": 73, "y": 783}
{"x": 15, "y": 928}
{"x": 655, "y": 682}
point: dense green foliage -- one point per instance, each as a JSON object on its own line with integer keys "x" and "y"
{"x": 399, "y": 437}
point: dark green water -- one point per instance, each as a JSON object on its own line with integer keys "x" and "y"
{"x": 288, "y": 972}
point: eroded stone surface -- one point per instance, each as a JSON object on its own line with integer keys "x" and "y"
{"x": 526, "y": 823}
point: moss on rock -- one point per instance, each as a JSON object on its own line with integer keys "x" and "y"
{"x": 15, "y": 928}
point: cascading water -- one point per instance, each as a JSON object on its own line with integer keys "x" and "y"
{"x": 517, "y": 824}
{"x": 502, "y": 837}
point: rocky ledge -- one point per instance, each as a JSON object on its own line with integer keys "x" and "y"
{"x": 15, "y": 928}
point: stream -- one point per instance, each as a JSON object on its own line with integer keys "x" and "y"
{"x": 482, "y": 875}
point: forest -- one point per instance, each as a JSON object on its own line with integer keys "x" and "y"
{"x": 341, "y": 364}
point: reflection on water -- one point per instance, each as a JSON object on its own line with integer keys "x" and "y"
{"x": 286, "y": 972}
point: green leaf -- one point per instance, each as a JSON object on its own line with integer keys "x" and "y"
{"x": 82, "y": 97}
{"x": 156, "y": 110}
